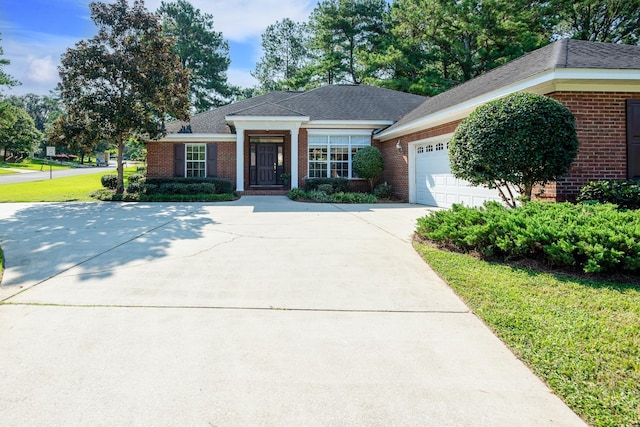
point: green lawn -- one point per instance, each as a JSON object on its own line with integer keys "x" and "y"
{"x": 6, "y": 171}
{"x": 581, "y": 337}
{"x": 75, "y": 188}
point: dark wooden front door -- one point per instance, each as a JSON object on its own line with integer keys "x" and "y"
{"x": 267, "y": 162}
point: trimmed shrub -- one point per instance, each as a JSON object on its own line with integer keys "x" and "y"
{"x": 326, "y": 188}
{"x": 297, "y": 194}
{"x": 136, "y": 187}
{"x": 136, "y": 178}
{"x": 190, "y": 188}
{"x": 337, "y": 184}
{"x": 592, "y": 238}
{"x": 368, "y": 164}
{"x": 514, "y": 143}
{"x": 109, "y": 181}
{"x": 222, "y": 185}
{"x": 624, "y": 194}
{"x": 383, "y": 191}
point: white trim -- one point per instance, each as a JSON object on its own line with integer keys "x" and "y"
{"x": 338, "y": 132}
{"x": 347, "y": 124}
{"x": 542, "y": 83}
{"x": 294, "y": 157}
{"x": 198, "y": 137}
{"x": 265, "y": 123}
{"x": 412, "y": 161}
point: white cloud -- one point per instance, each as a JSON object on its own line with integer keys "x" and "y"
{"x": 243, "y": 19}
{"x": 242, "y": 78}
{"x": 41, "y": 70}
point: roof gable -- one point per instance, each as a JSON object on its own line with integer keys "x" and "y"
{"x": 563, "y": 54}
{"x": 326, "y": 103}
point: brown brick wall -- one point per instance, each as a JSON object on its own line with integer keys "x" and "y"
{"x": 601, "y": 127}
{"x": 303, "y": 156}
{"x": 160, "y": 159}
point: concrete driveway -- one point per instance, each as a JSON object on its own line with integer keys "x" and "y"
{"x": 256, "y": 312}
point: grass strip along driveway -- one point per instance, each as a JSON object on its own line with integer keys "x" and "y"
{"x": 582, "y": 337}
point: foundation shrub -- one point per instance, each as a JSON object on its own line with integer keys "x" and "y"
{"x": 592, "y": 238}
{"x": 338, "y": 185}
{"x": 190, "y": 188}
{"x": 625, "y": 194}
{"x": 383, "y": 191}
{"x": 222, "y": 185}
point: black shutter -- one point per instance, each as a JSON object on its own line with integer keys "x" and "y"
{"x": 633, "y": 138}
{"x": 178, "y": 160}
{"x": 212, "y": 159}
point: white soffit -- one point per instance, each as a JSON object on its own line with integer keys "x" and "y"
{"x": 559, "y": 79}
{"x": 199, "y": 137}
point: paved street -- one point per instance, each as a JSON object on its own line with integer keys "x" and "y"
{"x": 261, "y": 312}
{"x": 43, "y": 175}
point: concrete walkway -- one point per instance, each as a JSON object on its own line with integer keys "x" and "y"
{"x": 256, "y": 312}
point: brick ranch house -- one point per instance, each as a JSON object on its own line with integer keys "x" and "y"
{"x": 315, "y": 133}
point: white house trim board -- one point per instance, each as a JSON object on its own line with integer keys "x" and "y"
{"x": 350, "y": 131}
{"x": 294, "y": 157}
{"x": 266, "y": 123}
{"x": 543, "y": 83}
{"x": 412, "y": 161}
{"x": 347, "y": 124}
{"x": 198, "y": 137}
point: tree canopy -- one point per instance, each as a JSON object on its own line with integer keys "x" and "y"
{"x": 18, "y": 134}
{"x": 125, "y": 80}
{"x": 201, "y": 49}
{"x": 428, "y": 46}
{"x": 285, "y": 54}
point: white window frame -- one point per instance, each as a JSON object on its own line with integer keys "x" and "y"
{"x": 327, "y": 135}
{"x": 202, "y": 161}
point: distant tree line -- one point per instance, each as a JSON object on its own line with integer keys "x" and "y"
{"x": 428, "y": 46}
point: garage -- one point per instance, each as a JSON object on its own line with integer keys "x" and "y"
{"x": 435, "y": 184}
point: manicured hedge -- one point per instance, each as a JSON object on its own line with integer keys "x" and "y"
{"x": 222, "y": 185}
{"x": 593, "y": 238}
{"x": 338, "y": 185}
{"x": 324, "y": 197}
{"x": 625, "y": 194}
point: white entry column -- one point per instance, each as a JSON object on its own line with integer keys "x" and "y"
{"x": 294, "y": 156}
{"x": 239, "y": 159}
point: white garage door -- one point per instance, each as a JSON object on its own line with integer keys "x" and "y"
{"x": 436, "y": 185}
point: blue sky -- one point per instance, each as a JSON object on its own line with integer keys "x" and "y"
{"x": 35, "y": 33}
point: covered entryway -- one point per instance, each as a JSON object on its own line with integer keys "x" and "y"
{"x": 266, "y": 160}
{"x": 435, "y": 185}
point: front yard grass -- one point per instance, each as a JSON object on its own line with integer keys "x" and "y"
{"x": 68, "y": 189}
{"x": 581, "y": 336}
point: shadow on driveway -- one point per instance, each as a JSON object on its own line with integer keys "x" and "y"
{"x": 43, "y": 240}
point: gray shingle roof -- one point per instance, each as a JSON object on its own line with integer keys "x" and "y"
{"x": 334, "y": 102}
{"x": 561, "y": 54}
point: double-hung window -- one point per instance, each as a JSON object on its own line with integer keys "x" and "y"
{"x": 331, "y": 155}
{"x": 196, "y": 158}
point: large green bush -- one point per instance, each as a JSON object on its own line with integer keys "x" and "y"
{"x": 368, "y": 164}
{"x": 625, "y": 194}
{"x": 593, "y": 238}
{"x": 514, "y": 143}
